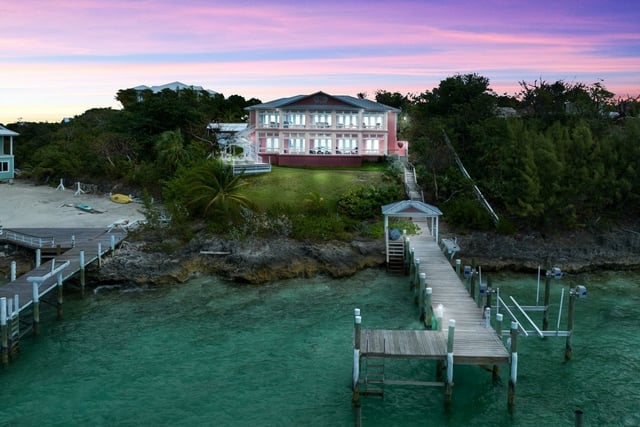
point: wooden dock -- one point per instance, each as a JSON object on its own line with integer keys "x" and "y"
{"x": 60, "y": 245}
{"x": 463, "y": 335}
{"x": 68, "y": 251}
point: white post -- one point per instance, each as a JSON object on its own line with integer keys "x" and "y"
{"x": 4, "y": 331}
{"x": 487, "y": 317}
{"x": 82, "y": 271}
{"x": 514, "y": 364}
{"x": 99, "y": 254}
{"x": 36, "y": 295}
{"x": 499, "y": 325}
{"x": 356, "y": 367}
{"x": 16, "y": 303}
{"x": 3, "y": 311}
{"x": 449, "y": 385}
{"x": 36, "y": 308}
{"x": 38, "y": 257}
{"x": 538, "y": 288}
{"x": 13, "y": 271}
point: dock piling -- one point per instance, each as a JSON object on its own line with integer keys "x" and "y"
{"x": 5, "y": 331}
{"x": 356, "y": 358}
{"x": 99, "y": 255}
{"x": 59, "y": 299}
{"x": 13, "y": 271}
{"x": 449, "y": 385}
{"x": 427, "y": 314}
{"x": 547, "y": 297}
{"x": 416, "y": 279}
{"x": 422, "y": 281}
{"x": 514, "y": 365}
{"x": 499, "y": 317}
{"x": 568, "y": 348}
{"x": 36, "y": 308}
{"x": 82, "y": 271}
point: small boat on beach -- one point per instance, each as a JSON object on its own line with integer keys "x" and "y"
{"x": 86, "y": 208}
{"x": 121, "y": 198}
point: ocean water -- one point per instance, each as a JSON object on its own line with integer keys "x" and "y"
{"x": 213, "y": 353}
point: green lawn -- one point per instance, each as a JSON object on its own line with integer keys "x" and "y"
{"x": 291, "y": 186}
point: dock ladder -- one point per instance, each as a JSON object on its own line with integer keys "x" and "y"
{"x": 396, "y": 262}
{"x": 373, "y": 374}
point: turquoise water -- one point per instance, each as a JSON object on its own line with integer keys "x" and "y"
{"x": 213, "y": 353}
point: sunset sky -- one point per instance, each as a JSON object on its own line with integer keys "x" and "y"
{"x": 59, "y": 58}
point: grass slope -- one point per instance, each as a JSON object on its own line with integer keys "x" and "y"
{"x": 291, "y": 186}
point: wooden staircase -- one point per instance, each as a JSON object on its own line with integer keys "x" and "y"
{"x": 396, "y": 262}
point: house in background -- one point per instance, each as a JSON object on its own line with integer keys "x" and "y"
{"x": 174, "y": 86}
{"x": 323, "y": 130}
{"x": 7, "y": 165}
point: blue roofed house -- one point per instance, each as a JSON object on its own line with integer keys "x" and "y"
{"x": 7, "y": 164}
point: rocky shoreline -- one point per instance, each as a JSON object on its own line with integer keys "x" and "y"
{"x": 256, "y": 261}
{"x": 143, "y": 261}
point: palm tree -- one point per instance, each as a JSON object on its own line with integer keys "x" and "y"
{"x": 171, "y": 150}
{"x": 213, "y": 189}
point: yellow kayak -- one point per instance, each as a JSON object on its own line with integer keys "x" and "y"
{"x": 121, "y": 198}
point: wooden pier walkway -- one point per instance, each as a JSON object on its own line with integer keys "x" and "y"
{"x": 60, "y": 245}
{"x": 474, "y": 343}
{"x": 463, "y": 335}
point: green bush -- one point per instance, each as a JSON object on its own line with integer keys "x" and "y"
{"x": 364, "y": 202}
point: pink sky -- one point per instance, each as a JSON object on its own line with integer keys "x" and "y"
{"x": 60, "y": 58}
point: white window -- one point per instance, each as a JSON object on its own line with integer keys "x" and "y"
{"x": 347, "y": 144}
{"x": 372, "y": 144}
{"x": 294, "y": 120}
{"x": 322, "y": 144}
{"x": 269, "y": 119}
{"x": 321, "y": 120}
{"x": 347, "y": 120}
{"x": 372, "y": 120}
{"x": 272, "y": 144}
{"x": 4, "y": 166}
{"x": 296, "y": 143}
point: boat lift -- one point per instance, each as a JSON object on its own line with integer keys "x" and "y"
{"x": 517, "y": 311}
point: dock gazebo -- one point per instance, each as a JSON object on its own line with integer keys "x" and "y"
{"x": 415, "y": 210}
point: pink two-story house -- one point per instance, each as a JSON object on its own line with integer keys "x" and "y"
{"x": 323, "y": 130}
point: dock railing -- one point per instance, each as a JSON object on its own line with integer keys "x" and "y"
{"x": 26, "y": 239}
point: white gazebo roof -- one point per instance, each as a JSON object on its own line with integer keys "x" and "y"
{"x": 411, "y": 208}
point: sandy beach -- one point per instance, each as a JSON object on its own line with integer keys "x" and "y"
{"x": 26, "y": 205}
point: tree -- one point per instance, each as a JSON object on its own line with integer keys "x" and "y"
{"x": 209, "y": 190}
{"x": 171, "y": 150}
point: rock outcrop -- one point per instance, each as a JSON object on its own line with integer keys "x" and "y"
{"x": 248, "y": 261}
